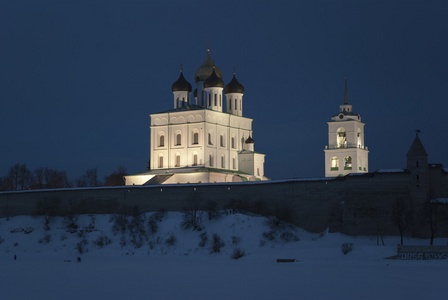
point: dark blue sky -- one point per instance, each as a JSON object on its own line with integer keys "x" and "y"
{"x": 78, "y": 79}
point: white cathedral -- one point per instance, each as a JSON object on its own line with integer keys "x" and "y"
{"x": 202, "y": 140}
{"x": 346, "y": 152}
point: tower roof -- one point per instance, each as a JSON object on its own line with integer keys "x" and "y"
{"x": 214, "y": 80}
{"x": 250, "y": 140}
{"x": 206, "y": 69}
{"x": 417, "y": 148}
{"x": 181, "y": 84}
{"x": 234, "y": 86}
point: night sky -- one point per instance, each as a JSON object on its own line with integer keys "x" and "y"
{"x": 78, "y": 79}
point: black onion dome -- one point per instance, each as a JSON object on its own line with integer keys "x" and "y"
{"x": 206, "y": 69}
{"x": 181, "y": 84}
{"x": 214, "y": 81}
{"x": 234, "y": 87}
{"x": 195, "y": 93}
{"x": 250, "y": 140}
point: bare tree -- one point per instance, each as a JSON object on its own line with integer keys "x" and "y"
{"x": 89, "y": 179}
{"x": 192, "y": 215}
{"x": 400, "y": 216}
{"x": 116, "y": 178}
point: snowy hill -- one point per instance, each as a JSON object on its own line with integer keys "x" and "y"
{"x": 153, "y": 256}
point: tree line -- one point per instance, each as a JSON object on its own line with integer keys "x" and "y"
{"x": 20, "y": 178}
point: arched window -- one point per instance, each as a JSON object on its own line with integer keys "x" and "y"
{"x": 160, "y": 161}
{"x": 177, "y": 160}
{"x": 222, "y": 161}
{"x": 203, "y": 98}
{"x": 220, "y": 101}
{"x": 221, "y": 141}
{"x": 209, "y": 100}
{"x": 210, "y": 139}
{"x": 234, "y": 163}
{"x": 348, "y": 163}
{"x": 230, "y": 104}
{"x": 236, "y": 105}
{"x": 195, "y": 160}
{"x": 359, "y": 138}
{"x": 162, "y": 141}
{"x": 334, "y": 163}
{"x": 258, "y": 171}
{"x": 233, "y": 142}
{"x": 195, "y": 138}
{"x": 341, "y": 138}
{"x": 210, "y": 158}
{"x": 178, "y": 139}
{"x": 216, "y": 100}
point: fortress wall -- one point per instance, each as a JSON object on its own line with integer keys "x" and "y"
{"x": 353, "y": 204}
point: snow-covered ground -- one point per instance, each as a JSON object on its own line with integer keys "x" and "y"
{"x": 170, "y": 262}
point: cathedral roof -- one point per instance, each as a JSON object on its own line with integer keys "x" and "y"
{"x": 206, "y": 69}
{"x": 234, "y": 86}
{"x": 250, "y": 140}
{"x": 417, "y": 148}
{"x": 181, "y": 84}
{"x": 214, "y": 80}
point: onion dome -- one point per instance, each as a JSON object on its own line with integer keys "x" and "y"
{"x": 214, "y": 80}
{"x": 250, "y": 140}
{"x": 206, "y": 69}
{"x": 195, "y": 93}
{"x": 181, "y": 84}
{"x": 234, "y": 86}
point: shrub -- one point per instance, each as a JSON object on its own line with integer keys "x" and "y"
{"x": 70, "y": 222}
{"x": 81, "y": 246}
{"x": 170, "y": 241}
{"x": 158, "y": 216}
{"x": 288, "y": 236}
{"x": 120, "y": 223}
{"x": 236, "y": 240}
{"x": 153, "y": 226}
{"x": 46, "y": 239}
{"x": 347, "y": 248}
{"x": 102, "y": 241}
{"x": 123, "y": 241}
{"x": 217, "y": 244}
{"x": 204, "y": 239}
{"x": 237, "y": 253}
{"x": 269, "y": 235}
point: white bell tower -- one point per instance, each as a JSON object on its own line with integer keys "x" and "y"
{"x": 345, "y": 152}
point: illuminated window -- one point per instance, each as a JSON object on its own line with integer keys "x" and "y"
{"x": 341, "y": 138}
{"x": 334, "y": 163}
{"x": 195, "y": 138}
{"x": 162, "y": 141}
{"x": 177, "y": 160}
{"x": 348, "y": 163}
{"x": 178, "y": 139}
{"x": 359, "y": 138}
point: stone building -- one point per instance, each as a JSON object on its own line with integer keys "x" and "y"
{"x": 205, "y": 138}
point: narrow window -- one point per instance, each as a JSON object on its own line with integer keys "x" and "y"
{"x": 179, "y": 139}
{"x": 222, "y": 162}
{"x": 258, "y": 171}
{"x": 221, "y": 141}
{"x": 334, "y": 163}
{"x": 203, "y": 98}
{"x": 210, "y": 139}
{"x": 220, "y": 101}
{"x": 161, "y": 162}
{"x": 195, "y": 160}
{"x": 233, "y": 142}
{"x": 236, "y": 106}
{"x": 215, "y": 99}
{"x": 177, "y": 160}
{"x": 209, "y": 100}
{"x": 211, "y": 160}
{"x": 162, "y": 141}
{"x": 230, "y": 104}
{"x": 234, "y": 163}
{"x": 241, "y": 101}
{"x": 348, "y": 163}
{"x": 195, "y": 138}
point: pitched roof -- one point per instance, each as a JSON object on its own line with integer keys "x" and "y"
{"x": 417, "y": 148}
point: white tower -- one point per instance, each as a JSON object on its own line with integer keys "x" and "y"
{"x": 181, "y": 91}
{"x": 346, "y": 152}
{"x": 234, "y": 97}
{"x": 202, "y": 73}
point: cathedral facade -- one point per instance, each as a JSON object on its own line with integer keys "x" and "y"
{"x": 205, "y": 138}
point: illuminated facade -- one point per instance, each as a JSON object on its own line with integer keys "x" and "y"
{"x": 204, "y": 138}
{"x": 346, "y": 152}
